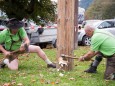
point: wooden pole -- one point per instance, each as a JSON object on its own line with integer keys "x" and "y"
{"x": 67, "y": 30}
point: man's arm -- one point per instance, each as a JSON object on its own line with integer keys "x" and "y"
{"x": 2, "y": 49}
{"x": 5, "y": 52}
{"x": 24, "y": 36}
{"x": 88, "y": 56}
{"x": 26, "y": 40}
{"x": 26, "y": 43}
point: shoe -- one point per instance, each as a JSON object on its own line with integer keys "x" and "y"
{"x": 112, "y": 76}
{"x": 2, "y": 65}
{"x": 92, "y": 69}
{"x": 51, "y": 65}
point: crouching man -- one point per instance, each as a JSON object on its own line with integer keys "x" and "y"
{"x": 102, "y": 43}
{"x": 15, "y": 38}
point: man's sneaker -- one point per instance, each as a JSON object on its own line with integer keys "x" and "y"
{"x": 51, "y": 65}
{"x": 92, "y": 69}
{"x": 2, "y": 65}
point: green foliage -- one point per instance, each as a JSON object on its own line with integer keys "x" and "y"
{"x": 101, "y": 9}
{"x": 33, "y": 72}
{"x": 30, "y": 9}
{"x": 109, "y": 11}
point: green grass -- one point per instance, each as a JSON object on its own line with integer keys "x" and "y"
{"x": 33, "y": 72}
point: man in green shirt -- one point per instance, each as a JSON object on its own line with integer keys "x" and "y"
{"x": 98, "y": 58}
{"x": 14, "y": 38}
{"x": 102, "y": 42}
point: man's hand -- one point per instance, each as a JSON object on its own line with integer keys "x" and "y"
{"x": 24, "y": 48}
{"x": 88, "y": 56}
{"x": 7, "y": 53}
{"x": 10, "y": 56}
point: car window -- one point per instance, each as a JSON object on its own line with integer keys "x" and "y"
{"x": 89, "y": 22}
{"x": 112, "y": 23}
{"x": 104, "y": 25}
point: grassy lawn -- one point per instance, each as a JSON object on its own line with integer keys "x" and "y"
{"x": 33, "y": 72}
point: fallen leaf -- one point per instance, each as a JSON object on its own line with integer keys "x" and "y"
{"x": 42, "y": 81}
{"x": 33, "y": 81}
{"x": 41, "y": 75}
{"x": 57, "y": 82}
{"x": 19, "y": 84}
{"x": 7, "y": 84}
{"x": 47, "y": 82}
{"x": 52, "y": 83}
{"x": 71, "y": 78}
{"x": 13, "y": 82}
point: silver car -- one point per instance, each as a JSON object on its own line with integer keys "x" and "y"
{"x": 98, "y": 24}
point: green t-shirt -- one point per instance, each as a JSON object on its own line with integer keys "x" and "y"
{"x": 7, "y": 38}
{"x": 103, "y": 41}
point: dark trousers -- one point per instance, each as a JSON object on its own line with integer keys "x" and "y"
{"x": 110, "y": 67}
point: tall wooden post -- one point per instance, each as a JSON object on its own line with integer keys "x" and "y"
{"x": 67, "y": 29}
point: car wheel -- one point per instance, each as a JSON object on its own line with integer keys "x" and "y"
{"x": 43, "y": 45}
{"x": 86, "y": 41}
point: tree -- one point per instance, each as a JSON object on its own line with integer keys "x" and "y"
{"x": 101, "y": 9}
{"x": 109, "y": 11}
{"x": 31, "y": 9}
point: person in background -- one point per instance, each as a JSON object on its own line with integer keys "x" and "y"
{"x": 15, "y": 38}
{"x": 102, "y": 43}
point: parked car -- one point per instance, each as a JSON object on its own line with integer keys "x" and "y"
{"x": 98, "y": 24}
{"x": 40, "y": 35}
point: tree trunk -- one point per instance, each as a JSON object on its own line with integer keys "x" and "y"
{"x": 67, "y": 30}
